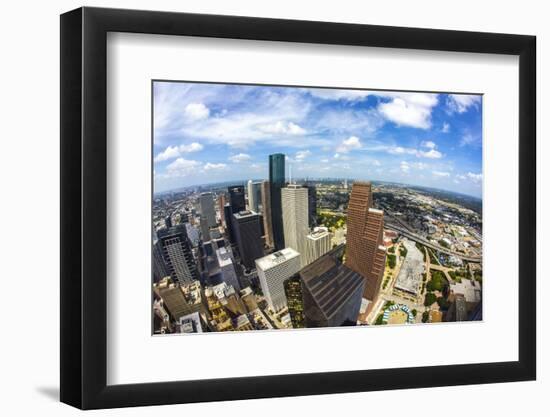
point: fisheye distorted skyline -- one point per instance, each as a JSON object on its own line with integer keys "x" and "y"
{"x": 206, "y": 133}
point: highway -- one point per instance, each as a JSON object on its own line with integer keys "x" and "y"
{"x": 421, "y": 240}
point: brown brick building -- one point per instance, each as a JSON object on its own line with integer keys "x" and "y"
{"x": 365, "y": 253}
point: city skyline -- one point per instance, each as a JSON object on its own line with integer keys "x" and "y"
{"x": 254, "y": 235}
{"x": 227, "y": 131}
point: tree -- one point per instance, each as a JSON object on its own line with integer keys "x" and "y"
{"x": 443, "y": 303}
{"x": 430, "y": 299}
{"x": 438, "y": 281}
{"x": 414, "y": 312}
{"x": 391, "y": 261}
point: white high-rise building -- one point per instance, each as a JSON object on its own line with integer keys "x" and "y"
{"x": 318, "y": 243}
{"x": 227, "y": 268}
{"x": 294, "y": 202}
{"x": 273, "y": 270}
{"x": 207, "y": 209}
{"x": 254, "y": 195}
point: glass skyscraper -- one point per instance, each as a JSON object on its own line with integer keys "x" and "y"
{"x": 276, "y": 182}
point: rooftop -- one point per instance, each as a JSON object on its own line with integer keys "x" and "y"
{"x": 224, "y": 257}
{"x": 274, "y": 259}
{"x": 330, "y": 282}
{"x": 318, "y": 233}
{"x": 245, "y": 213}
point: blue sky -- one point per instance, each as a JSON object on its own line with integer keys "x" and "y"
{"x": 218, "y": 132}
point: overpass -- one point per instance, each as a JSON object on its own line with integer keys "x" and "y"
{"x": 421, "y": 240}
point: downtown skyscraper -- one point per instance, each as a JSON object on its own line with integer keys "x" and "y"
{"x": 266, "y": 207}
{"x": 207, "y": 208}
{"x": 237, "y": 199}
{"x": 247, "y": 229}
{"x": 175, "y": 250}
{"x": 276, "y": 183}
{"x": 365, "y": 253}
{"x": 254, "y": 195}
{"x": 294, "y": 204}
{"x": 273, "y": 270}
{"x": 332, "y": 292}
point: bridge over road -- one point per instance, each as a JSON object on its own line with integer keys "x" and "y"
{"x": 421, "y": 240}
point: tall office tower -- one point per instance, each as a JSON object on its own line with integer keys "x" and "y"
{"x": 295, "y": 219}
{"x": 312, "y": 204}
{"x": 236, "y": 198}
{"x": 183, "y": 217}
{"x": 317, "y": 244}
{"x": 248, "y": 235}
{"x": 266, "y": 207}
{"x": 332, "y": 292}
{"x": 228, "y": 214}
{"x": 192, "y": 234}
{"x": 276, "y": 182}
{"x": 159, "y": 267}
{"x": 207, "y": 208}
{"x": 254, "y": 195}
{"x": 294, "y": 301}
{"x": 229, "y": 276}
{"x": 177, "y": 255}
{"x": 178, "y": 300}
{"x": 273, "y": 270}
{"x": 168, "y": 222}
{"x": 365, "y": 252}
{"x": 221, "y": 205}
{"x": 205, "y": 230}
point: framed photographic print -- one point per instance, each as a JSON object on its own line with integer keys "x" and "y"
{"x": 258, "y": 207}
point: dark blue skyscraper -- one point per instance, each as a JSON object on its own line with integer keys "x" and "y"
{"x": 248, "y": 234}
{"x": 276, "y": 182}
{"x": 236, "y": 198}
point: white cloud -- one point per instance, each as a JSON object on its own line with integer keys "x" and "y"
{"x": 441, "y": 174}
{"x": 334, "y": 94}
{"x": 400, "y": 150}
{"x": 446, "y": 128}
{"x": 324, "y": 161}
{"x": 283, "y": 128}
{"x": 428, "y": 144}
{"x": 431, "y": 154}
{"x": 172, "y": 152}
{"x": 301, "y": 155}
{"x": 468, "y": 139}
{"x": 182, "y": 167}
{"x": 349, "y": 144}
{"x": 210, "y": 166}
{"x": 409, "y": 109}
{"x": 405, "y": 167}
{"x": 196, "y": 111}
{"x": 376, "y": 163}
{"x": 241, "y": 157}
{"x": 476, "y": 178}
{"x": 266, "y": 117}
{"x": 419, "y": 165}
{"x": 460, "y": 103}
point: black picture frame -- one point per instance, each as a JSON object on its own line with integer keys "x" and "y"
{"x": 84, "y": 207}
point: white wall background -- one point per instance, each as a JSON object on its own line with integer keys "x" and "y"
{"x": 29, "y": 172}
